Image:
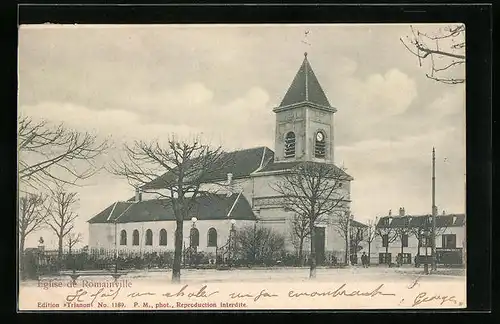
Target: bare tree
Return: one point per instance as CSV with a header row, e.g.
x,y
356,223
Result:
x,y
31,216
387,233
358,233
421,229
371,233
342,228
49,154
300,230
175,173
259,245
445,49
312,190
61,214
73,239
403,231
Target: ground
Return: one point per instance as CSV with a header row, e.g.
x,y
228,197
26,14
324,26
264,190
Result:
x,y
357,274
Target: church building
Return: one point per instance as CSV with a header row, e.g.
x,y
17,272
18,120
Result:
x,y
304,132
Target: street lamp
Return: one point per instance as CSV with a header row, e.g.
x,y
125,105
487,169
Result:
x,y
193,245
41,246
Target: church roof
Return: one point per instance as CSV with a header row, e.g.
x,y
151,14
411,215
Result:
x,y
355,223
207,207
240,163
413,221
285,166
305,87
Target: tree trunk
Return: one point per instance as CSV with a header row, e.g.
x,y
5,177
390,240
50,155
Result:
x,y
369,252
402,250
347,251
387,252
22,238
312,261
419,244
301,247
176,266
60,247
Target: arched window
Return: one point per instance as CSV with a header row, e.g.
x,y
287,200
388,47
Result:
x,y
163,237
212,237
149,237
123,237
135,237
320,145
194,237
290,145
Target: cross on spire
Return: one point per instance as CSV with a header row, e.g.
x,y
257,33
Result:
x,y
305,38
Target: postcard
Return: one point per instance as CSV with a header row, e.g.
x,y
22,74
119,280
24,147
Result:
x,y
241,167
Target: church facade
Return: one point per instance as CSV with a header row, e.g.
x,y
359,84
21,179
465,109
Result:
x,y
304,133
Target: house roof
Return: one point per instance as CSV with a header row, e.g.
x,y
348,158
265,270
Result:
x,y
450,220
305,87
207,207
355,223
240,163
285,166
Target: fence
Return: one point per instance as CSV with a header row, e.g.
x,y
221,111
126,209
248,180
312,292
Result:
x,y
40,262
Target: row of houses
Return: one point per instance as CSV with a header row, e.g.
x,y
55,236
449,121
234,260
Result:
x,y
407,236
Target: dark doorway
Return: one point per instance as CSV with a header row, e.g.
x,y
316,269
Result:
x,y
319,234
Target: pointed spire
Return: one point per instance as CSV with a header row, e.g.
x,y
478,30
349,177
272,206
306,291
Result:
x,y
305,87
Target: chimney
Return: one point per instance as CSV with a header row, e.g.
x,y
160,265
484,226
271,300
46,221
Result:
x,y
390,212
401,211
444,212
230,189
138,195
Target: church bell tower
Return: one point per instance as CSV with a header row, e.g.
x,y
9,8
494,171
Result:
x,y
304,121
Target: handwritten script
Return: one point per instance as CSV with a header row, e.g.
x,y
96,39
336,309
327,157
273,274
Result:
x,y
82,295
423,298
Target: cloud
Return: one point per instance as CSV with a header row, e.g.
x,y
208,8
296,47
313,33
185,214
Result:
x,y
393,173
451,102
381,95
121,124
185,111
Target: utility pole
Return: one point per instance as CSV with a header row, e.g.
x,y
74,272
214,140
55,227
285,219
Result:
x,y
434,210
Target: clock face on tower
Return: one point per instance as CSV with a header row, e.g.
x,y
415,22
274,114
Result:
x,y
319,137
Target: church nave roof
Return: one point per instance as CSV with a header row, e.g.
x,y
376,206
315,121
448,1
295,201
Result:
x,y
208,207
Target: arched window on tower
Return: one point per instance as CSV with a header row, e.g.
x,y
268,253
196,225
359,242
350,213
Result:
x,y
290,145
163,237
123,237
212,237
135,237
320,145
149,237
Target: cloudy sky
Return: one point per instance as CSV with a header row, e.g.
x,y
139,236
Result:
x,y
148,82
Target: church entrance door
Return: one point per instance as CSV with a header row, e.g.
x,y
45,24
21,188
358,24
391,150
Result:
x,y
319,234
